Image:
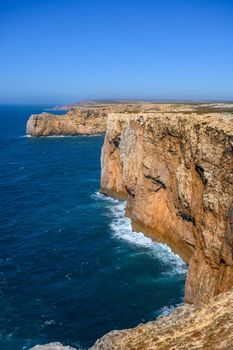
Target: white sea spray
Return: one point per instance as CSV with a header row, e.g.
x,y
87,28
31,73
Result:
x,y
121,229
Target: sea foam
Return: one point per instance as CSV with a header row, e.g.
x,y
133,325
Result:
x,y
121,229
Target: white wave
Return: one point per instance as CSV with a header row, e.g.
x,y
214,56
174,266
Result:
x,y
59,136
49,322
48,136
69,136
26,135
122,230
54,136
100,196
166,310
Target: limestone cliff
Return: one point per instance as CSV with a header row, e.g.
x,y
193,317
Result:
x,y
80,120
175,169
174,166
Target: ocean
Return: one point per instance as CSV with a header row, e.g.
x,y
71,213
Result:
x,y
71,269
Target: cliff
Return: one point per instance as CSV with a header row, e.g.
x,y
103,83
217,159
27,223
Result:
x,y
80,120
173,164
175,169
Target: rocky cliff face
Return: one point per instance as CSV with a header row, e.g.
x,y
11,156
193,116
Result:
x,y
175,169
174,166
80,120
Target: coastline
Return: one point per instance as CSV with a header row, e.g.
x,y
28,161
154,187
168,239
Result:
x,y
171,193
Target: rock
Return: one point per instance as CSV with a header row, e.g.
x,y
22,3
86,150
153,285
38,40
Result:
x,y
209,327
52,346
80,120
174,168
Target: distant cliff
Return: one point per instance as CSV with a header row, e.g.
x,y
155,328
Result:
x,y
80,120
175,169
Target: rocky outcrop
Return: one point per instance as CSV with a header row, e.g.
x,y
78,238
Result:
x,y
175,169
80,120
209,327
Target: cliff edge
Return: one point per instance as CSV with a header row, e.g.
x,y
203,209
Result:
x,y
80,120
175,169
173,164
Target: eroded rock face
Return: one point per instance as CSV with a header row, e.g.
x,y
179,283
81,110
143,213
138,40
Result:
x,y
80,120
174,166
209,327
176,171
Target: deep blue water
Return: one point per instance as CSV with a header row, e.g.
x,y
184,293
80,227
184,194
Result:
x,y
71,269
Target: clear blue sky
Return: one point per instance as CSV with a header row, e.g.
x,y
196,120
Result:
x,y
57,51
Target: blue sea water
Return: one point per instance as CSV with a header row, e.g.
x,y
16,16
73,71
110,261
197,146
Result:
x,y
71,269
